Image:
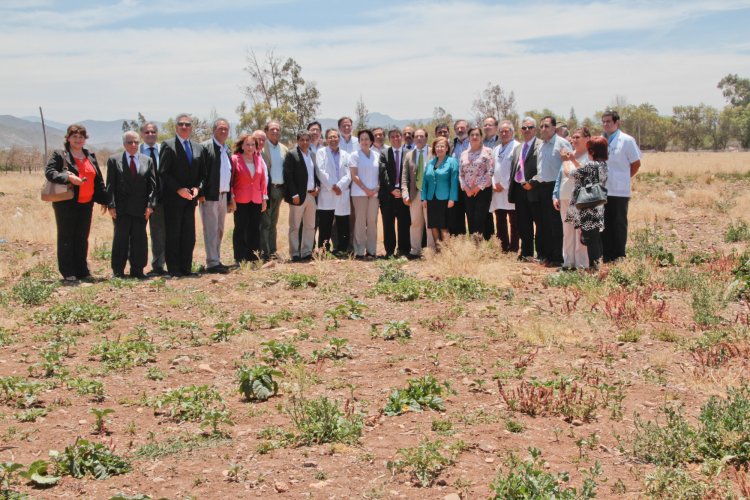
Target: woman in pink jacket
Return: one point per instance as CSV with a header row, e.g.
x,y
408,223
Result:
x,y
250,192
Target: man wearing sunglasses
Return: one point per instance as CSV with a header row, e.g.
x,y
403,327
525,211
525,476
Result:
x,y
522,188
150,148
182,177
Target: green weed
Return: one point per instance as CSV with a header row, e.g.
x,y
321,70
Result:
x,y
321,421
257,383
424,462
421,393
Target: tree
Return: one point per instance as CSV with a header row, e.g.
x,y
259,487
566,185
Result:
x,y
201,130
736,90
736,116
650,129
572,120
134,125
697,127
360,114
538,115
493,101
277,91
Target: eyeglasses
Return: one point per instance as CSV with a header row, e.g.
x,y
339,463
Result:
x,y
149,132
507,131
528,127
184,125
131,142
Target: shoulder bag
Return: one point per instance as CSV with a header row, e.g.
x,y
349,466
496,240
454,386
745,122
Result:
x,y
52,191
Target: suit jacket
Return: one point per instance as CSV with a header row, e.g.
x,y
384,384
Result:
x,y
388,173
409,173
266,153
176,173
530,172
54,172
212,161
130,196
295,175
440,183
144,149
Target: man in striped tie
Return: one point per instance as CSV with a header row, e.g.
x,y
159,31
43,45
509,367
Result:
x,y
150,148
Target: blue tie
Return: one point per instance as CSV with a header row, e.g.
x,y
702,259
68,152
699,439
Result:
x,y
188,152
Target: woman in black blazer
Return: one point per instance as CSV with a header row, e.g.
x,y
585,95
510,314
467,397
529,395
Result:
x,y
76,166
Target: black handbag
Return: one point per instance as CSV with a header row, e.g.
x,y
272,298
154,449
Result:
x,y
591,195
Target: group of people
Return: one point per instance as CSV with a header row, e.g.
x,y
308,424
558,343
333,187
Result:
x,y
483,181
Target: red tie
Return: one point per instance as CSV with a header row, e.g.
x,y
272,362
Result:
x,y
133,170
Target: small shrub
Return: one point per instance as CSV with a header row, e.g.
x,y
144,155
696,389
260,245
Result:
x,y
724,431
337,348
630,335
87,387
74,313
514,426
529,479
224,331
19,392
707,303
736,232
670,444
676,482
393,330
424,462
32,292
648,243
320,421
257,383
298,280
83,457
421,393
190,403
133,350
276,352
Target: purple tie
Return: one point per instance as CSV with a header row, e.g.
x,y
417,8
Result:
x,y
521,173
398,168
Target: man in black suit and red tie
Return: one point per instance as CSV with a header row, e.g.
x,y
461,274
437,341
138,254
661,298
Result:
x,y
523,188
131,186
182,179
393,210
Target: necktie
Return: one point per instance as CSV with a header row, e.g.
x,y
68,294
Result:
x,y
152,154
420,169
133,170
398,168
521,174
188,151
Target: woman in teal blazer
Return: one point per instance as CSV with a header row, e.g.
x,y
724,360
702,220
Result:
x,y
440,188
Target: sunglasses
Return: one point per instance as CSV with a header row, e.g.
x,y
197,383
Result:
x,y
184,125
149,132
528,127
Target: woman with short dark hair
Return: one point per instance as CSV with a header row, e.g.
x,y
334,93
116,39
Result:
x,y
590,220
476,167
77,166
249,187
574,252
364,165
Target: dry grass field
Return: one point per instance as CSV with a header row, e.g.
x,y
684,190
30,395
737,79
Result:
x,y
466,373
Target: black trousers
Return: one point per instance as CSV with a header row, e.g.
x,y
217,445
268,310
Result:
x,y
130,241
489,225
393,211
477,210
457,216
73,221
246,236
179,219
615,235
549,232
507,229
527,216
325,225
593,241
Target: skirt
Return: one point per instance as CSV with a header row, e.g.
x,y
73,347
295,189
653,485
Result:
x,y
437,214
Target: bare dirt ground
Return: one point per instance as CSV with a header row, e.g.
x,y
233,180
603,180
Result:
x,y
624,338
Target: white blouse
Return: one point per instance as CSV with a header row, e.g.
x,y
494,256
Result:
x,y
367,170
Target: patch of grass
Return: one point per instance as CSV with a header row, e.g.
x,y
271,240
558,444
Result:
x,y
31,291
707,301
276,352
275,319
74,313
87,387
725,427
337,348
630,335
676,482
299,280
665,335
393,330
321,420
443,427
6,337
19,392
180,444
529,479
669,444
82,458
133,350
514,426
421,393
682,278
648,243
190,403
424,462
737,231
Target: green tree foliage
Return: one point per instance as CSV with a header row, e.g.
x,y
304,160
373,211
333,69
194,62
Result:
x,y
277,91
698,127
736,116
493,101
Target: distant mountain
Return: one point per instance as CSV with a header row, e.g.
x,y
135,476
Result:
x,y
374,120
102,134
24,133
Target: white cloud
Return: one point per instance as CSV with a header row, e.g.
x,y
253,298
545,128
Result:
x,y
403,65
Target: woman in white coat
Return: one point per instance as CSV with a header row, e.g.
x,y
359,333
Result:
x,y
333,200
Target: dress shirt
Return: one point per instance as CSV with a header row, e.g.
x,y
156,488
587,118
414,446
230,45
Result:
x,y
310,170
225,174
351,146
368,170
146,150
623,151
135,158
277,167
549,160
491,142
459,146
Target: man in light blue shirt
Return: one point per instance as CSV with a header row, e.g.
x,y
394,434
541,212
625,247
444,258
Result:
x,y
549,162
274,153
457,220
150,148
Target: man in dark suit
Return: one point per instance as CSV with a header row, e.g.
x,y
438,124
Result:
x,y
523,188
300,189
182,174
150,148
392,206
216,198
131,186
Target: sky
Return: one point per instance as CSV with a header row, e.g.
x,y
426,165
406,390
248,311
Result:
x,y
111,59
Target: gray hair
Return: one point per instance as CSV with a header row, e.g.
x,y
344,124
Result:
x,y
183,115
129,133
510,124
147,124
217,121
529,119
